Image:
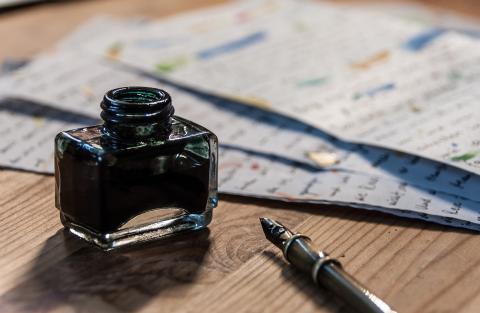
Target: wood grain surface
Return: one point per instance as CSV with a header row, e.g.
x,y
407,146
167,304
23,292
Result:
x,y
415,266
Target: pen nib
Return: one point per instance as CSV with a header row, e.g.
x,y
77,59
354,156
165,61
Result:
x,y
274,231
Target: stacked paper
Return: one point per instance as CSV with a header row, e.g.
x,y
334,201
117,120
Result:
x,y
311,102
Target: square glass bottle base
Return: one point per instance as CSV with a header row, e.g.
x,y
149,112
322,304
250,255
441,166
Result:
x,y
141,233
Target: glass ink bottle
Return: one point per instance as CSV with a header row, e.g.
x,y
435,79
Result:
x,y
143,174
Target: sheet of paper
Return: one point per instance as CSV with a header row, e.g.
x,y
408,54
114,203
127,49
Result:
x,y
423,102
370,79
250,39
70,103
247,174
236,125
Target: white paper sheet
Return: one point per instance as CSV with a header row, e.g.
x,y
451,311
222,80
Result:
x,y
360,176
370,79
30,128
76,83
30,146
245,174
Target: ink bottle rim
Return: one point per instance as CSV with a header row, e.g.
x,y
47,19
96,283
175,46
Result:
x,y
133,113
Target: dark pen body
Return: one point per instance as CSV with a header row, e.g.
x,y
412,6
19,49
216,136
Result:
x,y
325,271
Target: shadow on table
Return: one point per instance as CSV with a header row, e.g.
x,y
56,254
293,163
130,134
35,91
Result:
x,y
322,297
12,6
91,280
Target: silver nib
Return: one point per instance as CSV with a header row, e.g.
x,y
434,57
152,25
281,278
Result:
x,y
275,232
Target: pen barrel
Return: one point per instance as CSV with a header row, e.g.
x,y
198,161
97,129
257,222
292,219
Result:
x,y
328,273
334,278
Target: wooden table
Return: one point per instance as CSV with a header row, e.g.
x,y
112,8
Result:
x,y
415,266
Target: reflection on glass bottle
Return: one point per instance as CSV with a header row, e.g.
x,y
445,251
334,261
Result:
x,y
143,174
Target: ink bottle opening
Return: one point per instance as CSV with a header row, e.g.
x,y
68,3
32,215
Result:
x,y
136,113
143,174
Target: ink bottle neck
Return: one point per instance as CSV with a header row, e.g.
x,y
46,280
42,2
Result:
x,y
136,113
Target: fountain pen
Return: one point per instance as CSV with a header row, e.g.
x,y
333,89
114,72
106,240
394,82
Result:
x,y
325,271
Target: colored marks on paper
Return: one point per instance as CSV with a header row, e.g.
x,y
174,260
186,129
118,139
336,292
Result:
x,y
243,17
255,166
39,121
229,165
114,50
414,107
374,91
253,101
454,75
88,92
420,41
232,46
257,11
167,67
300,26
379,57
466,156
312,82
323,158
